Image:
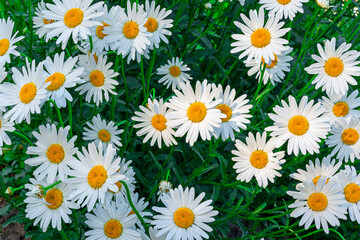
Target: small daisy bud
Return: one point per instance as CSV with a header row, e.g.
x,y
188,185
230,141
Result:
x,y
9,191
208,5
164,188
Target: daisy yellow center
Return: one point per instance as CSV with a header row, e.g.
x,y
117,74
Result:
x,y
27,93
97,78
317,202
175,71
184,217
131,213
104,135
334,66
47,21
73,17
55,153
225,109
57,80
259,159
196,112
350,136
273,62
113,228
94,55
340,109
352,193
4,46
54,198
298,125
0,124
158,122
100,29
151,24
316,179
131,30
97,176
260,38
284,2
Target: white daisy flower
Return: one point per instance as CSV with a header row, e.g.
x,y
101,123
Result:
x,y
258,40
337,106
99,79
111,221
275,72
256,158
26,95
62,75
236,111
54,152
325,4
71,17
286,8
183,216
320,203
345,139
164,188
127,34
194,112
302,126
93,175
3,74
5,126
152,122
157,24
99,130
174,73
335,68
53,208
7,41
40,21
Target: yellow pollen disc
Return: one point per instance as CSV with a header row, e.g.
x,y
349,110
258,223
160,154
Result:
x,y
184,217
97,78
260,38
175,71
131,30
298,125
0,124
97,176
100,29
352,193
334,66
55,153
113,228
4,46
27,92
47,21
273,62
317,202
284,2
73,17
225,109
104,135
316,179
54,197
350,136
340,109
118,184
131,213
158,122
57,80
196,112
259,159
151,24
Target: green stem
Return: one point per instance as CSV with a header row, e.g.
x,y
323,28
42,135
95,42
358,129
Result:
x,y
63,234
76,220
70,118
52,185
23,137
30,30
57,112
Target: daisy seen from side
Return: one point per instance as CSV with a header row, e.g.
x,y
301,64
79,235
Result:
x,y
7,41
40,21
5,126
283,8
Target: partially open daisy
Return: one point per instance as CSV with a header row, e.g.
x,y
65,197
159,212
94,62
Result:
x,y
54,152
321,203
259,41
174,73
335,68
152,122
275,71
257,158
5,126
111,221
62,75
337,106
99,79
302,126
99,130
93,175
40,21
325,4
54,207
236,111
71,18
286,8
345,134
3,74
183,216
164,188
7,41
140,205
194,112
26,95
